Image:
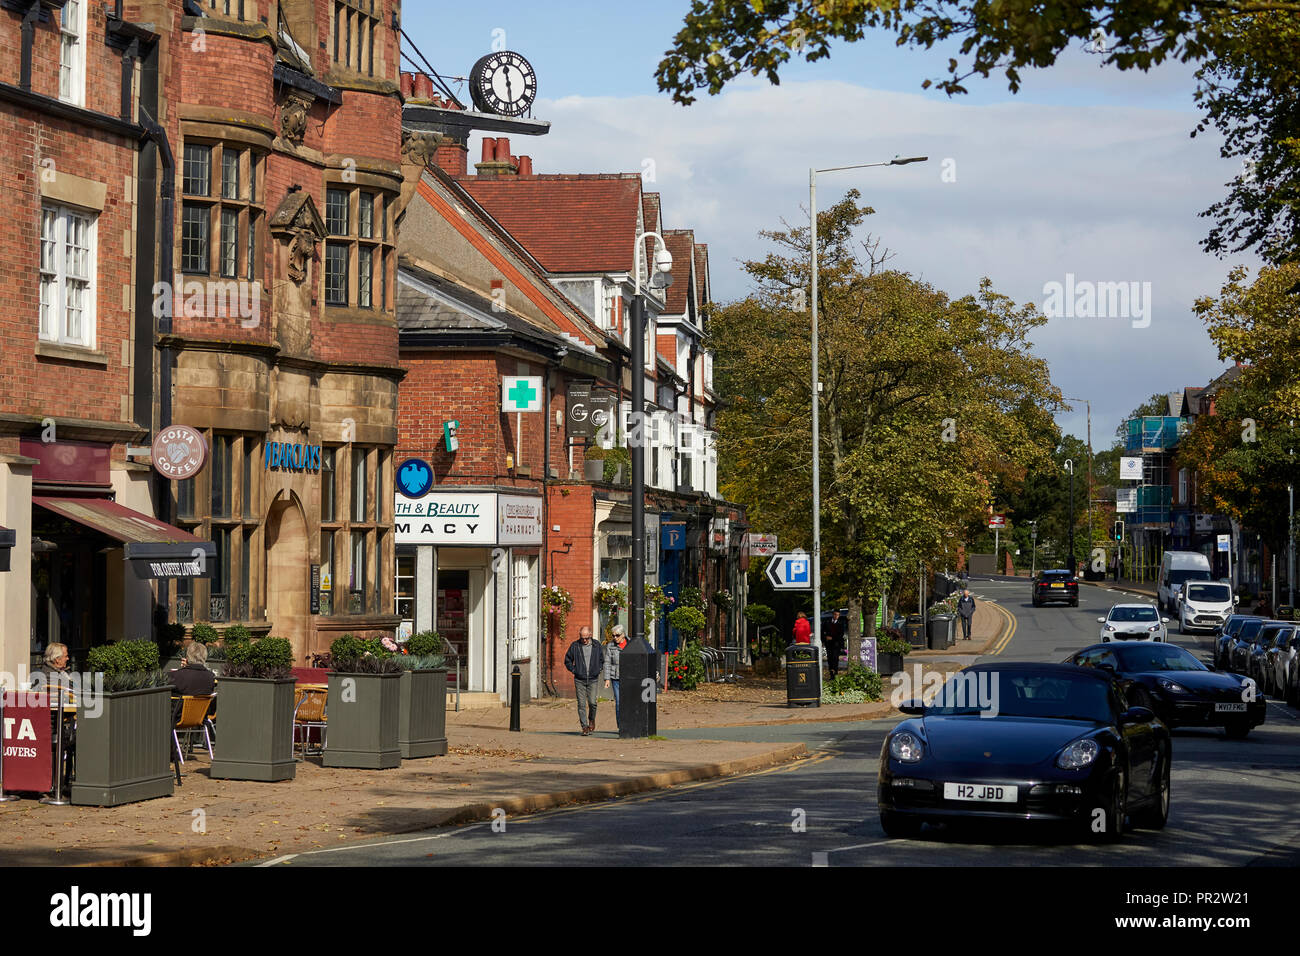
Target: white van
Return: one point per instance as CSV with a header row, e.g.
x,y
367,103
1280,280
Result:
x,y
1175,568
1204,605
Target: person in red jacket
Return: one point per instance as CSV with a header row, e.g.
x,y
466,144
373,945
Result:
x,y
802,629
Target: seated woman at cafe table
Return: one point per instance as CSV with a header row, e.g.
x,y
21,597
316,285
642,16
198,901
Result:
x,y
194,679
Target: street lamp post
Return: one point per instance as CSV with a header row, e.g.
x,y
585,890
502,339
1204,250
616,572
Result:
x,y
661,279
1069,466
1089,404
817,387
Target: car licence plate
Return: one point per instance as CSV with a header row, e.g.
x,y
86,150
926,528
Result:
x,y
1058,585
983,793
1231,708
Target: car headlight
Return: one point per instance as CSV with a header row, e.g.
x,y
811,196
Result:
x,y
1172,686
1153,628
906,747
1110,627
1081,753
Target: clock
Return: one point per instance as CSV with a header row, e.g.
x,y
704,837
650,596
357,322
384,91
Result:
x,y
503,83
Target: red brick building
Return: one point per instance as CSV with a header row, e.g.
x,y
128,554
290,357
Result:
x,y
202,205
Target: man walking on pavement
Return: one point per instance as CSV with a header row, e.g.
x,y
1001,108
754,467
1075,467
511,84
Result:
x,y
585,660
966,610
839,626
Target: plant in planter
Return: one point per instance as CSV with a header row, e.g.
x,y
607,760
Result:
x,y
617,463
655,599
422,709
610,599
693,597
557,602
685,666
593,468
364,703
855,685
891,648
256,738
124,734
724,599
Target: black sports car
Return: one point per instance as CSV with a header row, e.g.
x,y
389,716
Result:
x,y
1059,585
1181,690
1020,741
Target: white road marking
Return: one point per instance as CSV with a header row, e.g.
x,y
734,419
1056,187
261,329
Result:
x,y
371,846
278,859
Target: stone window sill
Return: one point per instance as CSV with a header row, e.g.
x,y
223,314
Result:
x,y
71,353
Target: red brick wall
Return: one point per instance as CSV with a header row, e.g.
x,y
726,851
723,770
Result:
x,y
573,508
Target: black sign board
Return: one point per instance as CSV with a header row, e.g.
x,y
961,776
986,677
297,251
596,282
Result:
x,y
315,589
589,409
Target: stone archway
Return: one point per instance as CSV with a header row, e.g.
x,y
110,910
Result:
x,y
287,574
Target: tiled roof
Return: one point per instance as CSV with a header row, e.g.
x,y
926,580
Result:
x,y
575,224
681,243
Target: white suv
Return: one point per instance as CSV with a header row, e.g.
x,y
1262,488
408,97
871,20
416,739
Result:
x,y
1133,622
1204,605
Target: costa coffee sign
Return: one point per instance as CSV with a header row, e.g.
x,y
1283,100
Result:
x,y
179,452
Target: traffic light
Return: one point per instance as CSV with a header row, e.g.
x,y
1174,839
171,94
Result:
x,y
1118,533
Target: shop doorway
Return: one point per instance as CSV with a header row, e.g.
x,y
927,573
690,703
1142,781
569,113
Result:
x,y
288,575
462,622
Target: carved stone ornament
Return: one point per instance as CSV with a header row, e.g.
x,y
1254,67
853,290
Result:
x,y
293,116
419,149
297,224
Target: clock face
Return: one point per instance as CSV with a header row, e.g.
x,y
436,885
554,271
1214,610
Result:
x,y
503,83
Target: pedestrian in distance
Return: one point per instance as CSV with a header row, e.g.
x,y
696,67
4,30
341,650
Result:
x,y
585,660
835,637
966,611
612,651
802,629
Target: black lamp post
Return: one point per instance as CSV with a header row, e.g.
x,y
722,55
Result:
x,y
1069,466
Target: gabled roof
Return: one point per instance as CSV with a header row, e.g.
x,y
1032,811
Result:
x,y
569,223
681,243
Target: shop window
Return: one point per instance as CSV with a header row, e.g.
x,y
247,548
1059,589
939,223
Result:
x,y
67,265
376,604
357,573
185,498
227,8
72,53
358,252
327,576
219,475
328,484
404,586
359,462
219,185
521,606
185,600
381,504
252,453
219,590
245,573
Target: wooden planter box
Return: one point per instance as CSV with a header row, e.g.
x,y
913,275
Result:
x,y
255,730
363,718
594,470
422,714
124,754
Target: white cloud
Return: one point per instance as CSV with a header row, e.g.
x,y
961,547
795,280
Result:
x,y
1108,193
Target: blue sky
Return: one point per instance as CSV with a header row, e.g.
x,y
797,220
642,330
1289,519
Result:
x,y
1087,172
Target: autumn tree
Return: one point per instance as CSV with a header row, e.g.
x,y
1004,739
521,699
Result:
x,y
927,401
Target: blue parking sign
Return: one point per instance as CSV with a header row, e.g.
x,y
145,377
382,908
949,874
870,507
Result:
x,y
796,570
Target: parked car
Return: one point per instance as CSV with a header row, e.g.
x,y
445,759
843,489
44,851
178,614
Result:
x,y
1133,622
1181,690
1204,605
1250,659
1237,651
1175,568
1226,633
1061,744
1277,661
1291,676
1056,585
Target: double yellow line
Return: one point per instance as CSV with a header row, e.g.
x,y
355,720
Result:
x,y
1001,645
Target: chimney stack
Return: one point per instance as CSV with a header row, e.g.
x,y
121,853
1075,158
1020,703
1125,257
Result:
x,y
497,160
525,165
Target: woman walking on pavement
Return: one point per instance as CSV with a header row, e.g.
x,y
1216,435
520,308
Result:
x,y
612,651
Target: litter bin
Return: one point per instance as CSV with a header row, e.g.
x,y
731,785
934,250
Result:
x,y
803,675
914,630
939,630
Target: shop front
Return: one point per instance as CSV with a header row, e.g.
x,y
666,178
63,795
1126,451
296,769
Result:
x,y
468,565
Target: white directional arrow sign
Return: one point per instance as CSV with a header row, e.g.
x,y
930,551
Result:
x,y
790,571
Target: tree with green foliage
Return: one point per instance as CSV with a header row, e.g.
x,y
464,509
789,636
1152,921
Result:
x,y
1247,83
927,401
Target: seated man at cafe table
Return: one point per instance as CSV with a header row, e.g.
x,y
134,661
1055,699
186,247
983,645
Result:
x,y
194,680
50,676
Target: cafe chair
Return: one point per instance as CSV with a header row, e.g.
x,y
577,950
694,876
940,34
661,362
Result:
x,y
308,712
194,711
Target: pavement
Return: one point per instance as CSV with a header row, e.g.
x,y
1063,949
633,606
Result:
x,y
488,768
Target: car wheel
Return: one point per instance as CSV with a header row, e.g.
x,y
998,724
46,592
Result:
x,y
1112,826
898,827
1237,729
1141,697
1156,815
1074,604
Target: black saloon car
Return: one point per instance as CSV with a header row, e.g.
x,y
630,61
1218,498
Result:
x,y
1181,690
1237,647
1020,741
1224,637
1053,586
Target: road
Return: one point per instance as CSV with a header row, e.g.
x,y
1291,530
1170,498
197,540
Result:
x,y
1232,801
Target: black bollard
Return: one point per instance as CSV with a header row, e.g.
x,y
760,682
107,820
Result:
x,y
514,698
638,668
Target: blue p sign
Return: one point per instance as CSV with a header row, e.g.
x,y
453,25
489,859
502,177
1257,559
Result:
x,y
796,570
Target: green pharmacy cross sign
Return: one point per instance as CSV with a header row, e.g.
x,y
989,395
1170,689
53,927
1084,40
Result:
x,y
521,393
